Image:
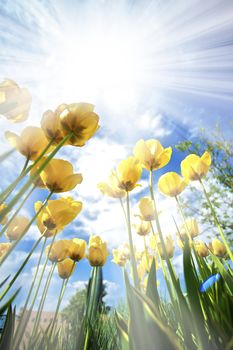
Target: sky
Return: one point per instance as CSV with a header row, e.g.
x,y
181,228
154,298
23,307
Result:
x,y
153,69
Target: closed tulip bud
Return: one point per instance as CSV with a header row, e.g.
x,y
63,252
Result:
x,y
17,227
201,248
77,249
128,173
59,251
4,219
51,125
170,247
218,248
58,176
190,228
146,261
141,271
146,209
15,102
57,214
194,167
80,119
141,227
111,187
31,143
4,247
153,241
97,251
65,268
151,154
118,258
171,184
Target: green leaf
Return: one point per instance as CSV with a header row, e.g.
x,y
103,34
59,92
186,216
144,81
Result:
x,y
8,331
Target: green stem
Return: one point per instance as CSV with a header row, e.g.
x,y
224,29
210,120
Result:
x,y
125,216
26,229
62,291
19,328
132,255
33,177
146,251
20,269
216,221
17,210
42,301
6,154
23,173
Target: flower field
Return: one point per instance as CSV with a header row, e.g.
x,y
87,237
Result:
x,y
196,312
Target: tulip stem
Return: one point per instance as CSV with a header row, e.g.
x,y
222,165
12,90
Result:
x,y
216,220
20,269
26,228
23,173
133,260
146,251
169,265
17,210
21,324
33,177
7,154
61,295
183,217
42,301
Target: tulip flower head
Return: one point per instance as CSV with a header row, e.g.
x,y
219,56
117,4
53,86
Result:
x,y
4,219
151,154
218,248
146,261
170,247
57,214
77,249
146,209
121,255
59,251
171,184
141,227
17,227
78,119
194,167
201,249
15,102
128,173
58,176
65,268
31,143
153,241
111,187
97,251
4,247
189,228
51,125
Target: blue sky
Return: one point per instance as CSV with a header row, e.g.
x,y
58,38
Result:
x,y
153,70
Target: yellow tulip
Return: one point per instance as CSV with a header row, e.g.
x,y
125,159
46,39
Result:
x,y
180,242
141,271
15,102
194,167
77,249
111,187
128,173
38,180
151,154
191,226
56,214
51,125
4,247
218,248
146,261
4,219
60,250
153,241
121,255
30,143
171,184
144,283
141,227
65,268
146,209
79,119
201,248
58,176
16,227
138,254
97,251
170,247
